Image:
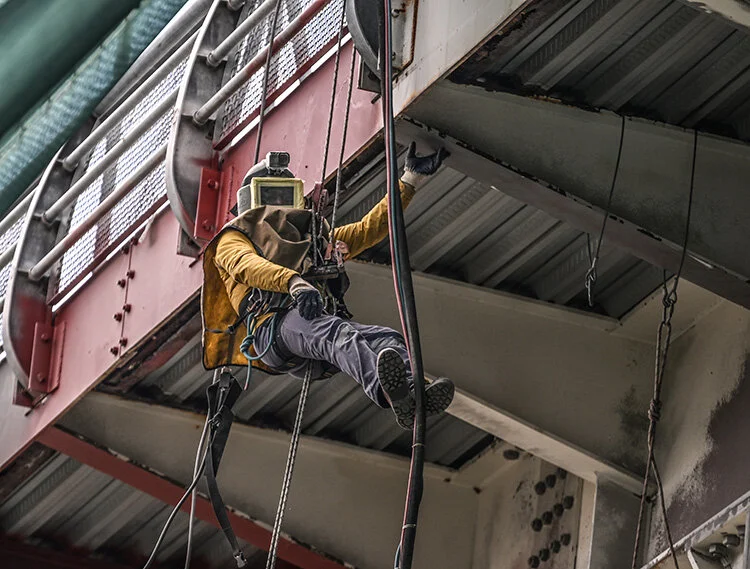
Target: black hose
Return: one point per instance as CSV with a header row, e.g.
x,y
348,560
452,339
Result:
x,y
404,294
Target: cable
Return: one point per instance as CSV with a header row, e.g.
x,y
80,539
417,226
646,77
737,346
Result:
x,y
591,273
264,86
343,144
289,469
194,493
404,295
176,509
317,208
663,337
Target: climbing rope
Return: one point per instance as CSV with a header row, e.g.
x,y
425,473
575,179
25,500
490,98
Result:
x,y
591,273
663,337
317,208
343,146
404,297
289,469
264,86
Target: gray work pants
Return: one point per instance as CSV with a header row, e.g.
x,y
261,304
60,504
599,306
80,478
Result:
x,y
330,344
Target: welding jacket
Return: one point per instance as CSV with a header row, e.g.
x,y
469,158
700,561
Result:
x,y
261,250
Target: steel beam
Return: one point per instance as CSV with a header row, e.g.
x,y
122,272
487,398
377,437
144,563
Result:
x,y
734,11
337,490
19,555
170,493
561,159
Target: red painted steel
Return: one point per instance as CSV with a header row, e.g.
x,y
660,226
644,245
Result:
x,y
208,200
161,489
163,281
18,555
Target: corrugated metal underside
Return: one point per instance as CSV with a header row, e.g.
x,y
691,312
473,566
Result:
x,y
659,59
69,504
336,409
462,229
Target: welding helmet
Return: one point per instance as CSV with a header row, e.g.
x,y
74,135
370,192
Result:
x,y
270,183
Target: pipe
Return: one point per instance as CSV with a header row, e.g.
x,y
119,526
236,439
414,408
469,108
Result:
x,y
212,105
117,150
146,167
223,49
17,212
174,35
7,255
71,160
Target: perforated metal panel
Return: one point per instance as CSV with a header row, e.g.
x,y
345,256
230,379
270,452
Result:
x,y
138,205
301,50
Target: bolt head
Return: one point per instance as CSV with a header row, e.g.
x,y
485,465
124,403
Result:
x,y
123,342
114,350
540,488
130,274
534,561
550,481
127,307
511,454
731,540
536,524
121,283
547,518
568,502
555,546
558,510
565,539
544,554
117,316
213,185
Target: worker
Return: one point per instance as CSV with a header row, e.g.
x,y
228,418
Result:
x,y
265,265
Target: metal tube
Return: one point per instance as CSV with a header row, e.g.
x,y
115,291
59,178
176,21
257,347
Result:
x,y
71,160
17,212
2,303
223,49
212,105
117,150
7,255
146,167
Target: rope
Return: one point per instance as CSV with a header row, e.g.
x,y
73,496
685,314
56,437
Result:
x,y
343,145
591,273
663,337
318,233
289,469
404,297
264,87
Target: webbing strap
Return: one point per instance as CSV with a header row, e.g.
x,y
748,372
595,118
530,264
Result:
x,y
222,395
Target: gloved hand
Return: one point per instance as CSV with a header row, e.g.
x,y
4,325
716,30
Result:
x,y
309,301
417,168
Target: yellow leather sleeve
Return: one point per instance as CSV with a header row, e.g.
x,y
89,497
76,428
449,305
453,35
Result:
x,y
236,255
373,227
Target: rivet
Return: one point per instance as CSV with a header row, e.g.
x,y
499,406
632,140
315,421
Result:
x,y
540,488
123,342
544,554
127,307
121,283
558,509
550,481
547,518
213,185
555,546
117,316
562,474
130,274
536,524
565,539
568,502
44,337
511,454
533,561
114,350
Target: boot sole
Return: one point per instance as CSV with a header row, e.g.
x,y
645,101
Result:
x,y
393,380
438,396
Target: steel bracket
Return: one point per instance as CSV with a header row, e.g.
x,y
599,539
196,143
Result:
x,y
208,204
46,357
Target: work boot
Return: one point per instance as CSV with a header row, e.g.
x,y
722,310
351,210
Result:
x,y
438,396
393,378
